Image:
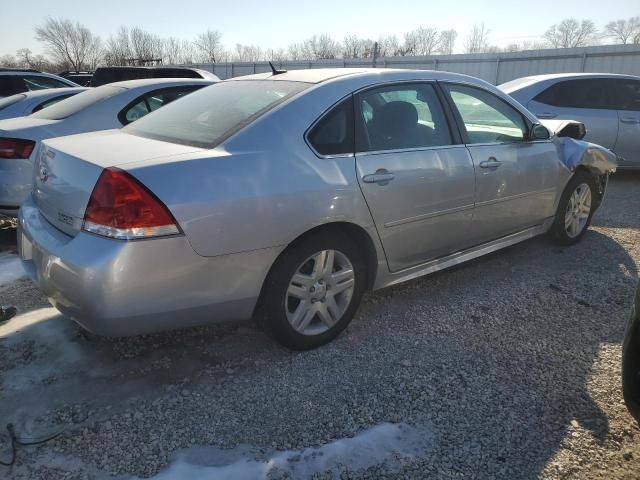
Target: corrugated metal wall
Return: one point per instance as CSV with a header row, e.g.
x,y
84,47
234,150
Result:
x,y
494,68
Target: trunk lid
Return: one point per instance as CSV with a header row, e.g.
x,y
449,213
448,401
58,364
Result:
x,y
67,169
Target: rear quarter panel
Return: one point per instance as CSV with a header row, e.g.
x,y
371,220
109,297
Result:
x,y
263,187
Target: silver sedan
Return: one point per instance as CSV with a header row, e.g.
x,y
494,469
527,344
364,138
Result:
x,y
285,196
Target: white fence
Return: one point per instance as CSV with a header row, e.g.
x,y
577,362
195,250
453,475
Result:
x,y
494,68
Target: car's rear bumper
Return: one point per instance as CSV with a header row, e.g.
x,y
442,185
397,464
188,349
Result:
x,y
114,287
631,361
15,184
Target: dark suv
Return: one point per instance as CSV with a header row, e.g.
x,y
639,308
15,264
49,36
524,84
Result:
x,y
104,75
14,80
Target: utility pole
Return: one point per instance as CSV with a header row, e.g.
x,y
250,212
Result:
x,y
375,54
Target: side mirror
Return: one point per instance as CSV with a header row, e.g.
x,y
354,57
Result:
x,y
539,132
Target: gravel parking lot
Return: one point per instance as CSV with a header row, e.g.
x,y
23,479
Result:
x,y
505,367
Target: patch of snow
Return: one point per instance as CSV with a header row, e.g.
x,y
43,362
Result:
x,y
10,268
388,443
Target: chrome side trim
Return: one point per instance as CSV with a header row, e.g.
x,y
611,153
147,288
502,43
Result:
x,y
425,216
493,201
416,149
460,257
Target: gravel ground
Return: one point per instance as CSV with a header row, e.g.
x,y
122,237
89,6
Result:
x,y
505,367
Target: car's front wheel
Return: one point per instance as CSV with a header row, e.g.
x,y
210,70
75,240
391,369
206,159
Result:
x,y
575,209
313,290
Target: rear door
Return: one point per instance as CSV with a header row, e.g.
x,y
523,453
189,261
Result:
x,y
516,179
627,97
586,100
416,178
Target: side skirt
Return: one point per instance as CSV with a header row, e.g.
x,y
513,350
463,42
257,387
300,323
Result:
x,y
387,279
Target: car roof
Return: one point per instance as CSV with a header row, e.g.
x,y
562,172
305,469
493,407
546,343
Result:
x,y
555,76
319,75
145,82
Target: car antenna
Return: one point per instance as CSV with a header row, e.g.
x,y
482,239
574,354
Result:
x,y
275,71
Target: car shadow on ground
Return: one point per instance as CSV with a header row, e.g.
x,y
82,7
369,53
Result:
x,y
8,242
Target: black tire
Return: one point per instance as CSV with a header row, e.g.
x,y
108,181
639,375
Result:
x,y
274,292
558,230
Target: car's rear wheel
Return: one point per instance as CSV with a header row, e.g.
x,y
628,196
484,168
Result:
x,y
313,290
575,209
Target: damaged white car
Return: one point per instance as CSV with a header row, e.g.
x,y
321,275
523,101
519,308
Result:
x,y
286,195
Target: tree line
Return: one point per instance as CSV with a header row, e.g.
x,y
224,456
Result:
x,y
72,46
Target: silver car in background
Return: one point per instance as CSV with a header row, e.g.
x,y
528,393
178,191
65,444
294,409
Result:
x,y
101,108
608,105
22,104
285,196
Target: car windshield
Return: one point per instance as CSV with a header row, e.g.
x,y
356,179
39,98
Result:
x,y
72,105
7,102
207,117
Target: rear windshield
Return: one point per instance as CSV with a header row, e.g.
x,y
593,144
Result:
x,y
7,102
209,116
78,102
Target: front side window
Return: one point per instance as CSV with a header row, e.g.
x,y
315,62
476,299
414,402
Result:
x,y
34,82
209,116
486,117
581,93
402,116
78,102
626,94
152,101
333,134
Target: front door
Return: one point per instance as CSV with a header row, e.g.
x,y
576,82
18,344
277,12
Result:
x,y
419,185
627,95
516,179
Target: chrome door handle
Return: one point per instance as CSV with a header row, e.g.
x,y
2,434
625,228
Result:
x,y
546,115
630,120
381,177
490,163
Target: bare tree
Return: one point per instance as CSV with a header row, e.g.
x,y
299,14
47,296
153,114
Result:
x,y
209,45
295,51
247,53
447,41
8,61
320,47
624,31
388,46
478,39
118,48
145,47
279,55
421,41
69,43
571,33
355,47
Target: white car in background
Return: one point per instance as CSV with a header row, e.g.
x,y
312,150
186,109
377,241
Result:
x,y
608,104
101,108
22,104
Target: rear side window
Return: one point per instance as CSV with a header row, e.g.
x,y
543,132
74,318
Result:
x,y
34,82
151,101
78,102
333,134
626,94
404,116
13,99
209,116
51,101
581,93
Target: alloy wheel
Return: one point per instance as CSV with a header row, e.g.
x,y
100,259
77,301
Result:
x,y
578,210
319,292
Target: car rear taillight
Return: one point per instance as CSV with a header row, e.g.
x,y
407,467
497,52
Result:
x,y
16,148
122,207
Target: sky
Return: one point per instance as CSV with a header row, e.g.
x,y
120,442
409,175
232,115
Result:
x,y
277,23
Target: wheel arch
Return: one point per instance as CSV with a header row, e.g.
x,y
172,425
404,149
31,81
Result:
x,y
355,232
